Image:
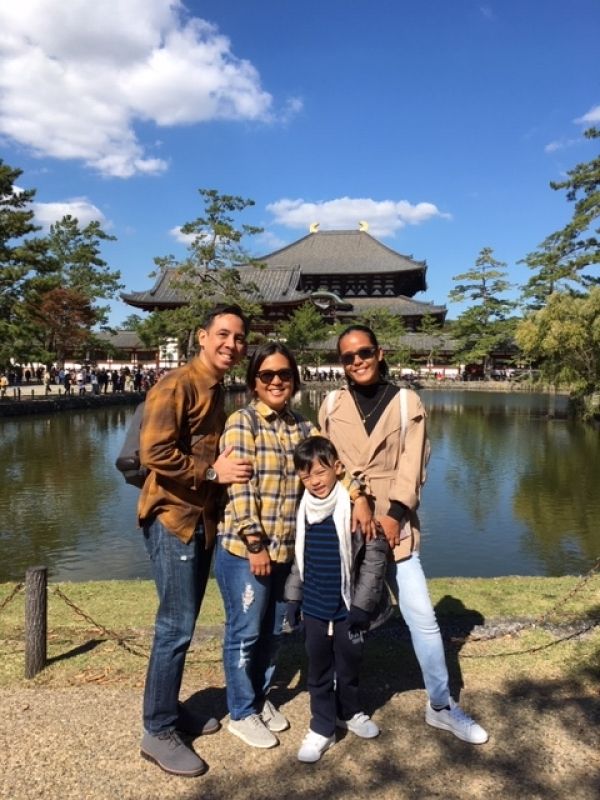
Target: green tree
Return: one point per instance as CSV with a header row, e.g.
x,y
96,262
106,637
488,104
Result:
x,y
20,253
390,329
73,263
562,257
306,326
208,274
484,326
431,329
563,339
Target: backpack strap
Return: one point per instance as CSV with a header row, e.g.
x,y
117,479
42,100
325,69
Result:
x,y
403,416
329,404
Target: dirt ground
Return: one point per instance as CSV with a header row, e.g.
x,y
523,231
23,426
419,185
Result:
x,y
82,742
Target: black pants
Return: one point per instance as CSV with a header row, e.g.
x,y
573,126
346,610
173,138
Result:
x,y
333,672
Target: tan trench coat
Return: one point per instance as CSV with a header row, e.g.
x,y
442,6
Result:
x,y
389,470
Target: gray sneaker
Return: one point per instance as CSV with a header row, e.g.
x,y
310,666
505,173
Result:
x,y
171,754
273,718
253,731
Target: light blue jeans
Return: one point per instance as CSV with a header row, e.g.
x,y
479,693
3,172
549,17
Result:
x,y
254,612
407,581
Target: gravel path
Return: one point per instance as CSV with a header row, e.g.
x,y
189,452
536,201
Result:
x,y
83,742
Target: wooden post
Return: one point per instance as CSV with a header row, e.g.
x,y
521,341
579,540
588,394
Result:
x,y
36,608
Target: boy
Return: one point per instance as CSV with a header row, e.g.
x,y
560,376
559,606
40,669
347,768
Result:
x,y
337,581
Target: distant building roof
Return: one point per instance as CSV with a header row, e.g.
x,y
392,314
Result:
x,y
122,339
404,306
265,285
345,252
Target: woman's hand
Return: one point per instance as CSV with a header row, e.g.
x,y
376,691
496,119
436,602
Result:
x,y
391,529
260,563
362,517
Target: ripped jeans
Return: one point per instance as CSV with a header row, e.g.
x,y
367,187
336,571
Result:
x,y
254,612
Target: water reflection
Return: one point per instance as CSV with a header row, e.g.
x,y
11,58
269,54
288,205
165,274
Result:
x,y
510,490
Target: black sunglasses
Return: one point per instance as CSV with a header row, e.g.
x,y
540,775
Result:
x,y
364,353
268,375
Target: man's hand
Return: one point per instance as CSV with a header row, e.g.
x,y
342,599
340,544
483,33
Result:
x,y
391,530
260,563
362,517
232,470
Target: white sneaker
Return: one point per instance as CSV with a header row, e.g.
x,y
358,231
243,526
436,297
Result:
x,y
253,731
313,746
361,725
455,720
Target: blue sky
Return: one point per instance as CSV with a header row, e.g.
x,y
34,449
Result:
x,y
440,123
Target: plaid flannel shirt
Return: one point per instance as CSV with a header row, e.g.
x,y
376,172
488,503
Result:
x,y
266,505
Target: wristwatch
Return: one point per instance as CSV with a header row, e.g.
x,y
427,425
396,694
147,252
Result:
x,y
255,547
211,474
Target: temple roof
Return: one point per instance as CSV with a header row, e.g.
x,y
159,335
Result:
x,y
405,306
342,252
267,285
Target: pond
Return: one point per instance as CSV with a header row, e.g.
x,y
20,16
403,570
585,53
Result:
x,y
512,489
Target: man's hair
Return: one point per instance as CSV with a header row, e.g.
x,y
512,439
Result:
x,y
314,447
262,352
220,310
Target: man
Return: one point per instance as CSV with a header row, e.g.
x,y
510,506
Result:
x,y
183,420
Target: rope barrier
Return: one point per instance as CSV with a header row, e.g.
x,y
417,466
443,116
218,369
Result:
x,y
11,596
106,631
539,621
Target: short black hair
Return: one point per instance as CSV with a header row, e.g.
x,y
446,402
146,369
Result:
x,y
314,447
262,352
220,310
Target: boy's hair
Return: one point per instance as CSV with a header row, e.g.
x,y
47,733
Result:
x,y
314,447
221,309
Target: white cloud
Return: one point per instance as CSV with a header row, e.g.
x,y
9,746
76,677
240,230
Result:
x,y
591,117
75,78
267,242
487,12
182,238
385,217
79,207
560,144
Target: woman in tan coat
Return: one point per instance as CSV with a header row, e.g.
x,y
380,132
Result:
x,y
380,434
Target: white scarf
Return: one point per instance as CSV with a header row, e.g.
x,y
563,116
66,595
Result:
x,y
314,509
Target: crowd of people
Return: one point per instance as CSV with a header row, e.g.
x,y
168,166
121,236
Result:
x,y
309,526
80,380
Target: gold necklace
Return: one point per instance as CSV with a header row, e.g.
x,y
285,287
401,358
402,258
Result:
x,y
365,417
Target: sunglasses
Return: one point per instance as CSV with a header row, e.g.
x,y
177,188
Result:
x,y
364,353
268,375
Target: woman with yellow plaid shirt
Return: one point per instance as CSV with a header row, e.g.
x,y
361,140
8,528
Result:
x,y
255,541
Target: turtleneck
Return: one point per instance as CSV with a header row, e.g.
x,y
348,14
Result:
x,y
371,401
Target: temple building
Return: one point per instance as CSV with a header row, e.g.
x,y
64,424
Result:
x,y
345,274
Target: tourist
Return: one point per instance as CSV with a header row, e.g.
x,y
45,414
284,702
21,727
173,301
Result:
x,y
255,542
183,420
336,581
364,420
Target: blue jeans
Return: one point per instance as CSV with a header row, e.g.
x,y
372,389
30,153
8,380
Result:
x,y
180,572
407,582
254,612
